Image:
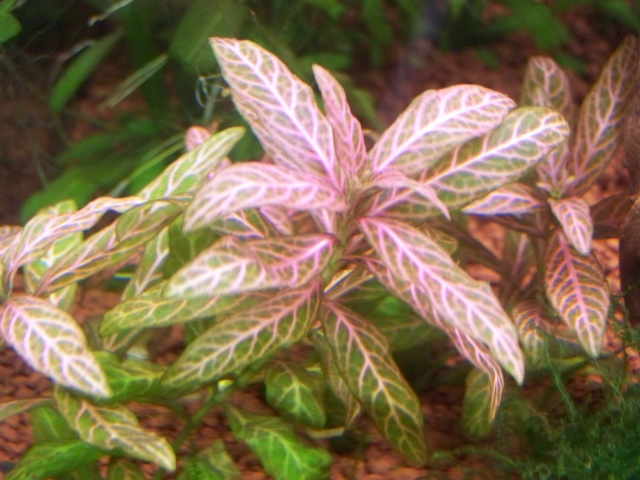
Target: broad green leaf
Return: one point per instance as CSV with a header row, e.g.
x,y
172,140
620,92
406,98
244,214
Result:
x,y
130,379
461,302
600,120
79,70
575,218
531,322
233,266
51,342
295,393
13,407
476,406
282,454
152,310
577,289
434,123
347,132
44,229
114,428
512,199
48,460
483,164
48,424
363,359
255,184
9,26
185,174
214,462
246,337
121,469
280,108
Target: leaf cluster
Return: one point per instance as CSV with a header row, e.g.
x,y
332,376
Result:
x,y
262,258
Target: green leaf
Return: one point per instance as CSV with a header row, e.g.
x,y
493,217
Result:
x,y
120,469
600,120
575,219
363,359
234,266
131,379
442,287
185,174
295,393
149,270
246,337
578,290
483,164
184,247
204,19
280,108
476,406
79,70
532,324
546,85
48,425
51,342
282,454
434,123
114,428
212,463
47,460
14,407
9,26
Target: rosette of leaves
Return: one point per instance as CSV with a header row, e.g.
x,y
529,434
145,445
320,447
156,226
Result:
x,y
552,225
253,258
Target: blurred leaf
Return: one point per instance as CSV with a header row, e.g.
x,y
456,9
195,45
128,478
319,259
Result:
x,y
46,460
204,19
295,393
79,70
121,469
14,407
130,379
282,454
9,26
333,7
476,406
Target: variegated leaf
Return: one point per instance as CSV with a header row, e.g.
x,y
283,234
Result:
x,y
577,289
434,123
396,181
336,382
575,218
255,184
402,204
45,228
347,133
246,337
512,199
246,224
600,119
110,246
280,108
233,266
544,75
51,341
282,454
195,136
114,427
362,356
460,301
477,406
149,270
296,393
481,165
9,234
185,174
152,310
532,324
